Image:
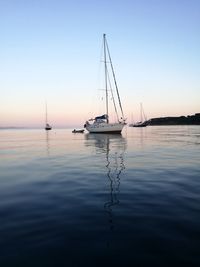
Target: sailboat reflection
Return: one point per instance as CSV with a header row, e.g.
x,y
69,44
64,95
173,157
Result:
x,y
47,142
113,147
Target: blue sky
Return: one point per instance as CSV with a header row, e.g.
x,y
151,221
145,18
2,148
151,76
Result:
x,y
50,50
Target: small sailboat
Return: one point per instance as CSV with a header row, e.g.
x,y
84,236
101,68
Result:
x,y
102,124
143,120
47,126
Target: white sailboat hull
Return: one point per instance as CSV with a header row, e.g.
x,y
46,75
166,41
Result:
x,y
105,127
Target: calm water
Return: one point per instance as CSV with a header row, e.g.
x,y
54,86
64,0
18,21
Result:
x,y
100,200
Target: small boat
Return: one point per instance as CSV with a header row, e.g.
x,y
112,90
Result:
x,y
47,126
143,121
78,131
102,124
140,124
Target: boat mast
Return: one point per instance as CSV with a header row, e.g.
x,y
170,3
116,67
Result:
x,y
143,114
141,117
46,112
106,80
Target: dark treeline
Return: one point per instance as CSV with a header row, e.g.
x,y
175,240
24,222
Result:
x,y
182,120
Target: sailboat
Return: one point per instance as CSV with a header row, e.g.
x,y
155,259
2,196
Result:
x,y
143,120
47,126
102,124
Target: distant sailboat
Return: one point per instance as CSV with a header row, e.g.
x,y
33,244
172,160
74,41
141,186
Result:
x,y
143,120
101,124
47,126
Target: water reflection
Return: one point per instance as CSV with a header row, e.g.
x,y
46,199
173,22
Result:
x,y
113,147
106,143
142,135
47,142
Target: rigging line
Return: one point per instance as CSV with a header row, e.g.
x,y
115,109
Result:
x,y
100,69
113,97
114,79
144,114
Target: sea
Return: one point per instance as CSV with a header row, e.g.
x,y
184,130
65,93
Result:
x,y
100,199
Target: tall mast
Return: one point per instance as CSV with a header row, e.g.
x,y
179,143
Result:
x,y
106,82
141,119
46,112
143,114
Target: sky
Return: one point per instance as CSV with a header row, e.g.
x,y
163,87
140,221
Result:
x,y
50,50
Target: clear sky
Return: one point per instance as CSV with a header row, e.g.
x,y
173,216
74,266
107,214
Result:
x,y
50,51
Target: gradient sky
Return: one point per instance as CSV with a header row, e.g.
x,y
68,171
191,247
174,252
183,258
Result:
x,y
50,51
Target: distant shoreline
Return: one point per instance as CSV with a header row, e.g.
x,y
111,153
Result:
x,y
181,120
30,128
161,121
12,127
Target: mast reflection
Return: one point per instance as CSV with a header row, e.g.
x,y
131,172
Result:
x,y
113,147
47,142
